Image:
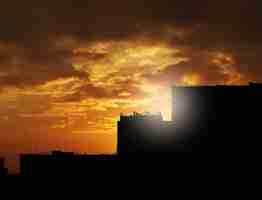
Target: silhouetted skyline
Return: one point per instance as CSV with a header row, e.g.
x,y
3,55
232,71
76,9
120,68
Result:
x,y
219,120
68,68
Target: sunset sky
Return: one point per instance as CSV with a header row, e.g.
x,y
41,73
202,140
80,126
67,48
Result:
x,y
69,68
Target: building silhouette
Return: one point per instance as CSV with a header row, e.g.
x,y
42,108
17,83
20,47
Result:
x,y
3,170
59,163
144,133
217,121
217,118
204,119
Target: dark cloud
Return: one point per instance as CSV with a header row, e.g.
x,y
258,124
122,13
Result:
x,y
99,18
23,67
33,26
28,75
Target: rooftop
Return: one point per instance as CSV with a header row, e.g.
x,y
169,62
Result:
x,y
141,116
251,84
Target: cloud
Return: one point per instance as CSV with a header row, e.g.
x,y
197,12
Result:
x,y
98,58
22,67
48,37
202,67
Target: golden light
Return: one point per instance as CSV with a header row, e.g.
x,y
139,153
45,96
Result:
x,y
159,100
162,103
191,79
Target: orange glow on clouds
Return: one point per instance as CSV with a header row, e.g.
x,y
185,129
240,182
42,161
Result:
x,y
80,113
191,79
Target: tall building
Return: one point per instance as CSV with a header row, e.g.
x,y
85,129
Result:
x,y
204,119
217,118
212,120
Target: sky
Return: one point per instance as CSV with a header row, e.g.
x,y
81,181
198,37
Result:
x,y
69,68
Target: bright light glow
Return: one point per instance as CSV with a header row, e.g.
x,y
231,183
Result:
x,y
191,79
159,101
162,103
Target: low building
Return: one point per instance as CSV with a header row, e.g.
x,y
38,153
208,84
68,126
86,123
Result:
x,y
144,133
59,163
3,170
